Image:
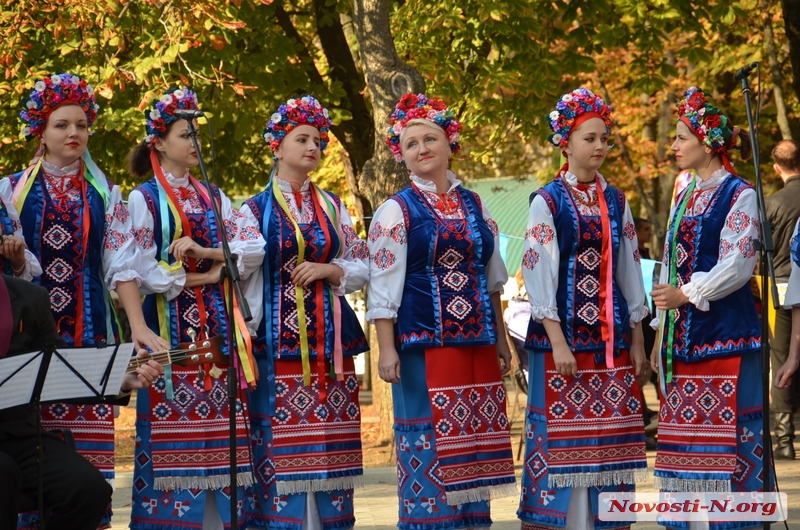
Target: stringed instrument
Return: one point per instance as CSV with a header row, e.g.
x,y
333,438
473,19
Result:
x,y
187,354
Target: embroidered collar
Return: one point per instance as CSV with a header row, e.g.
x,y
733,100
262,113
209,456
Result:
x,y
713,181
287,187
572,180
428,185
176,182
67,171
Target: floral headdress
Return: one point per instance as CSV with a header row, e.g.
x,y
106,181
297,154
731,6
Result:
x,y
50,93
707,122
305,110
419,107
162,112
573,109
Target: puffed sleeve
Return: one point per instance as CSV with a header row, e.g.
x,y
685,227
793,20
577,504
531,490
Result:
x,y
540,259
122,259
793,289
388,251
355,259
32,267
253,286
629,270
157,276
737,255
244,238
496,272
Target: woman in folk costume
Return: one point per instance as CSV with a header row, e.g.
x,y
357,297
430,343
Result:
x,y
434,295
15,258
709,429
306,419
182,469
75,223
585,347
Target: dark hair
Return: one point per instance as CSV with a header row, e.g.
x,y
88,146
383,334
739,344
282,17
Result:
x,y
138,160
786,154
745,145
638,222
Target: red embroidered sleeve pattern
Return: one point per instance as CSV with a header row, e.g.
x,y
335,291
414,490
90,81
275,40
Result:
x,y
383,259
541,233
738,221
530,259
144,237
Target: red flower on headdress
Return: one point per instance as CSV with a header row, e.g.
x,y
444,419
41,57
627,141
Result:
x,y
409,101
696,100
713,121
437,104
293,115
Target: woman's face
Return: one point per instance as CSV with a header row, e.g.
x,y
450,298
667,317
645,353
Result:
x,y
65,135
299,151
588,146
426,150
690,153
176,149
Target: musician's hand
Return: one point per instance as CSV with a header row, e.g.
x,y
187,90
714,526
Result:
x,y
144,337
144,375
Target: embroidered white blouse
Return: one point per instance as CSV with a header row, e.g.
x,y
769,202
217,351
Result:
x,y
541,255
244,237
353,260
32,268
793,288
737,253
386,283
120,254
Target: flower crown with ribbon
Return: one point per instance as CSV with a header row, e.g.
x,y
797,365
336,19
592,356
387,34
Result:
x,y
51,92
573,109
419,107
162,112
707,122
305,110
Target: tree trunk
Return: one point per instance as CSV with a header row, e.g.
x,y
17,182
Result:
x,y
791,18
775,73
388,79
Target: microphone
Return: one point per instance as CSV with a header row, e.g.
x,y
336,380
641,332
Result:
x,y
744,72
192,114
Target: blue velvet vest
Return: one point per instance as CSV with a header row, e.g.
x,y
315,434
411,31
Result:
x,y
445,300
579,282
6,229
731,325
280,308
61,225
184,309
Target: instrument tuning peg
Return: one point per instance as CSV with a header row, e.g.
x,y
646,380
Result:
x,y
192,333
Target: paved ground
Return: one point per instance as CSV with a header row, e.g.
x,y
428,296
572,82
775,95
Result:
x,y
376,503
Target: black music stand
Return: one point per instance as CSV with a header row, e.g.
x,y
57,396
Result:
x,y
55,375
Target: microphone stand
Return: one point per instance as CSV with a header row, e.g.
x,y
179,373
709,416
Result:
x,y
231,272
767,274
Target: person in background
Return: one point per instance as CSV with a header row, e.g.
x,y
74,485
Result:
x,y
75,494
708,348
783,211
183,421
582,272
436,276
15,258
311,462
76,225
